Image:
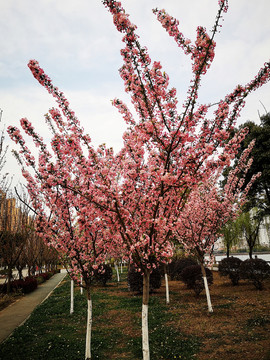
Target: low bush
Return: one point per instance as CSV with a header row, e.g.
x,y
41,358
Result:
x,y
192,277
177,265
102,274
25,286
255,270
135,280
40,279
230,267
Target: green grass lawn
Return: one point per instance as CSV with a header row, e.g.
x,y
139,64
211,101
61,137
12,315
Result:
x,y
52,333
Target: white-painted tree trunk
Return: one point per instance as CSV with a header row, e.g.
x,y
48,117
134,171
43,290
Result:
x,y
145,302
81,286
71,296
88,330
145,339
117,272
210,309
167,288
121,267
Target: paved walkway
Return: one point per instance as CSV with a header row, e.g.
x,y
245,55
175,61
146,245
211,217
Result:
x,y
15,314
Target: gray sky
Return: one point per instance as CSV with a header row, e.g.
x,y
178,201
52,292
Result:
x,y
78,46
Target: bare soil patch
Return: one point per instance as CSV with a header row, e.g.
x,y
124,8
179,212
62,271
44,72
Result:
x,y
239,327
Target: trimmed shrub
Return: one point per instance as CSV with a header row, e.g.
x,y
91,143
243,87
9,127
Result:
x,y
177,265
192,277
25,286
255,270
135,280
103,274
40,279
230,267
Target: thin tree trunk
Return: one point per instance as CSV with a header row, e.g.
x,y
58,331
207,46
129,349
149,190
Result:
x,y
228,250
71,296
9,279
81,286
88,326
210,309
166,284
145,302
117,272
250,251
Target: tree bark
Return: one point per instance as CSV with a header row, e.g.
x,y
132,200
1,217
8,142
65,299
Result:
x,y
209,304
145,302
81,286
9,275
166,285
71,296
228,250
117,272
88,326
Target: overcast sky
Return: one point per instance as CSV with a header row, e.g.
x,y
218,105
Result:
x,y
78,47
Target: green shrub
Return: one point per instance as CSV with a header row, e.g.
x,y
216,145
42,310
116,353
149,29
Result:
x,y
192,277
102,274
26,286
40,279
230,267
255,270
135,280
177,265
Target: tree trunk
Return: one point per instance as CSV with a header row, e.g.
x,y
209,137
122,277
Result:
x,y
145,302
117,272
250,251
9,277
81,286
71,296
210,309
166,285
88,326
228,250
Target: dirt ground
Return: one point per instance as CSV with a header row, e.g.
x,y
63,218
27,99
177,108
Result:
x,y
238,328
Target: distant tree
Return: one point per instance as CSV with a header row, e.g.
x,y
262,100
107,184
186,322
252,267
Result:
x,y
13,234
3,152
230,233
250,223
259,194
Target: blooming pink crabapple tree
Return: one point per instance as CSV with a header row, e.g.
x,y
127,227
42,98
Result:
x,y
62,220
208,209
138,195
